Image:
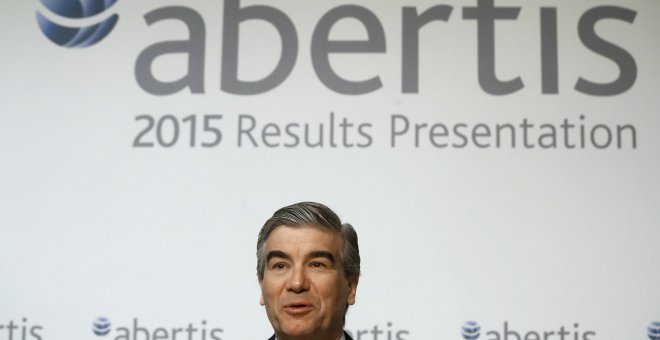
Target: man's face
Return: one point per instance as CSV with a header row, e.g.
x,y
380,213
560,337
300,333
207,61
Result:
x,y
304,287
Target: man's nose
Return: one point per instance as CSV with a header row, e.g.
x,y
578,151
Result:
x,y
298,281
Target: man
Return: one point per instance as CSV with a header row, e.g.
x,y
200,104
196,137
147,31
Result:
x,y
308,265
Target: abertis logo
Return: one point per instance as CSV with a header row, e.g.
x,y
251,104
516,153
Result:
x,y
101,326
654,330
140,331
81,35
471,330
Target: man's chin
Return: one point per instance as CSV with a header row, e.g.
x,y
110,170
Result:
x,y
298,329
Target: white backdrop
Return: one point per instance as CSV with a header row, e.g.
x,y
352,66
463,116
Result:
x,y
528,238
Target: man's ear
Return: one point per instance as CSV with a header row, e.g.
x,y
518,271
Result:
x,y
352,289
261,296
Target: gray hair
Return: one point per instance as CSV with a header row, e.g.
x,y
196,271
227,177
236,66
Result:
x,y
315,215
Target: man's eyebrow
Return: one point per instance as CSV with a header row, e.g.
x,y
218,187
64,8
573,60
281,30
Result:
x,y
277,253
322,253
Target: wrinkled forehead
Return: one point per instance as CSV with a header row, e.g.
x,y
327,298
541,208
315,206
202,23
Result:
x,y
304,239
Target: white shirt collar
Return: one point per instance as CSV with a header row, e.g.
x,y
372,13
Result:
x,y
342,337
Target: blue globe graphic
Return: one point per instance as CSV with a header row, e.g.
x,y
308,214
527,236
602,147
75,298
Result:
x,y
101,326
654,330
81,36
471,330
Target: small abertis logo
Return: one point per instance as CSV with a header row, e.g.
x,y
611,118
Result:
x,y
140,331
83,34
101,326
654,330
471,330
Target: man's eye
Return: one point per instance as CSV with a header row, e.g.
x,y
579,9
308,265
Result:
x,y
317,265
279,266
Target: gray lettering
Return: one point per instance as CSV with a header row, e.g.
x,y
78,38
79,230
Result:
x,y
233,16
247,131
418,128
137,329
532,336
160,333
319,143
194,47
566,127
270,130
633,132
344,129
508,332
486,13
525,126
124,336
551,135
412,22
433,134
33,332
376,331
623,59
549,54
322,47
175,331
190,330
477,134
216,330
289,132
608,138
586,335
364,134
498,130
460,135
547,335
394,131
496,335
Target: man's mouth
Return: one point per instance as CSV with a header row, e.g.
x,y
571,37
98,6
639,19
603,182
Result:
x,y
298,308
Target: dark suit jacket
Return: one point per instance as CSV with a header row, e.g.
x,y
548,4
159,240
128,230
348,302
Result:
x,y
348,337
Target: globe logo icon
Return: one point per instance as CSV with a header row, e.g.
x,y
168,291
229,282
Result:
x,y
83,34
654,330
471,330
101,326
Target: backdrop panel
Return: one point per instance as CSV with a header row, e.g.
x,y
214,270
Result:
x,y
499,160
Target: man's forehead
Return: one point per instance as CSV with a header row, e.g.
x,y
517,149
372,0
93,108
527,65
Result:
x,y
308,237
